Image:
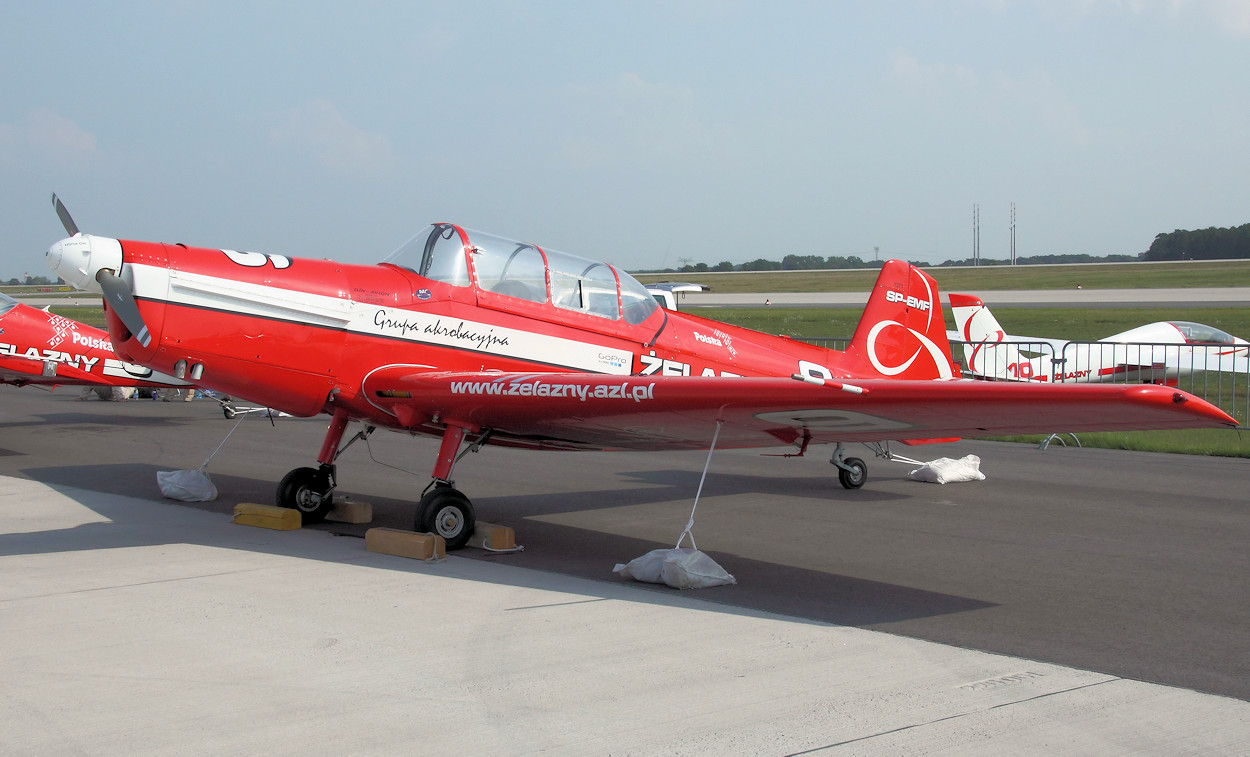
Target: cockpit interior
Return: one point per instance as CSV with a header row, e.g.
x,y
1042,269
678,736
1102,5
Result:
x,y
463,257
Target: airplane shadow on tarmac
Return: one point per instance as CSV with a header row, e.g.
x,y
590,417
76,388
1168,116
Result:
x,y
71,420
763,586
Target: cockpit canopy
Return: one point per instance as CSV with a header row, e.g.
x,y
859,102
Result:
x,y
7,303
1200,333
462,257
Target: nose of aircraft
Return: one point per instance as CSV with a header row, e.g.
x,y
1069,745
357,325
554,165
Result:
x,y
79,258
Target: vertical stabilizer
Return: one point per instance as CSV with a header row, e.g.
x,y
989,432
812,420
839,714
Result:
x,y
986,354
902,333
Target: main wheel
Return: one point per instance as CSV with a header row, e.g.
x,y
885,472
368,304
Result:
x,y
446,512
856,476
307,490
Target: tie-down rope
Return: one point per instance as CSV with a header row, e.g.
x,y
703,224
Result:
x,y
690,523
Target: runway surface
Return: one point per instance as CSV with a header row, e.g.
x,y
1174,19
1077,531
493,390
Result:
x,y
1130,563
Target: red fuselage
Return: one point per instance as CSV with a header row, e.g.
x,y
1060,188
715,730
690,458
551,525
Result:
x,y
302,335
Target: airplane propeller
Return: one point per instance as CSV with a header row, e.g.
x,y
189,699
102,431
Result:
x,y
119,297
67,221
116,290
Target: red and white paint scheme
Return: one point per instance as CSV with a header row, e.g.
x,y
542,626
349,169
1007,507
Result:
x,y
42,349
1156,353
485,340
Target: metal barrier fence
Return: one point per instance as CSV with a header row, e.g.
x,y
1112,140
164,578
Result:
x,y
1218,373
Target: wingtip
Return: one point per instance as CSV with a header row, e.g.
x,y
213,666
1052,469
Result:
x,y
1205,408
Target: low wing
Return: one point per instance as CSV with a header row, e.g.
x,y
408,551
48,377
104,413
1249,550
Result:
x,y
1203,360
1136,362
680,412
21,370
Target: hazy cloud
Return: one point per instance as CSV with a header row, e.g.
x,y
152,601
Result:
x,y
320,130
1231,16
1037,96
627,120
906,70
46,135
1021,99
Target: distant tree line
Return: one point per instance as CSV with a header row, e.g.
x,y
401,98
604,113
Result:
x,y
1204,244
1046,260
30,281
808,263
788,263
838,262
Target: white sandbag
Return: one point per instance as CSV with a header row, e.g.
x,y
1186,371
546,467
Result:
x,y
645,568
186,485
946,470
692,569
680,568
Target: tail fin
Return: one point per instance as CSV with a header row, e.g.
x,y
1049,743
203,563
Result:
x,y
902,333
984,356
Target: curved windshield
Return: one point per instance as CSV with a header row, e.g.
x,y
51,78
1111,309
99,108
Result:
x,y
7,303
437,252
1199,333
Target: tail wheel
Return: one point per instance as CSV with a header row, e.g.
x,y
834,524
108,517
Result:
x,y
308,490
448,513
854,474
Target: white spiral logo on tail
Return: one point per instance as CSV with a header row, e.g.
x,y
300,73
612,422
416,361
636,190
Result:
x,y
940,361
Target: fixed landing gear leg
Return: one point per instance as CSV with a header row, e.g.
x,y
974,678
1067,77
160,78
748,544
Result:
x,y
443,510
852,472
311,490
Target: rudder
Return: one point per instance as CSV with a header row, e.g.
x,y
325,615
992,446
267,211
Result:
x,y
902,333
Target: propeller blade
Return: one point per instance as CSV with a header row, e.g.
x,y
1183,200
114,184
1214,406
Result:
x,y
71,228
119,297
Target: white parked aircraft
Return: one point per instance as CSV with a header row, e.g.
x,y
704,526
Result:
x,y
666,292
1156,353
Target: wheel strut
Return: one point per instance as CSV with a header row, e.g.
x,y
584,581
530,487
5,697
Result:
x,y
443,509
852,472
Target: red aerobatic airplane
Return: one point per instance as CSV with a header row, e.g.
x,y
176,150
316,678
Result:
x,y
39,348
480,339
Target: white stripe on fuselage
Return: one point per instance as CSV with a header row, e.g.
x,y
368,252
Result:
x,y
416,326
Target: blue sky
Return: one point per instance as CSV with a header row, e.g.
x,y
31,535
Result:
x,y
640,132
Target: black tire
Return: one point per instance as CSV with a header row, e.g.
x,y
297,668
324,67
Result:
x,y
227,411
854,478
307,490
448,513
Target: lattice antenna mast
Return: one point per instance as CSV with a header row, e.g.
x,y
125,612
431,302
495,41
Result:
x,y
976,234
1013,233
